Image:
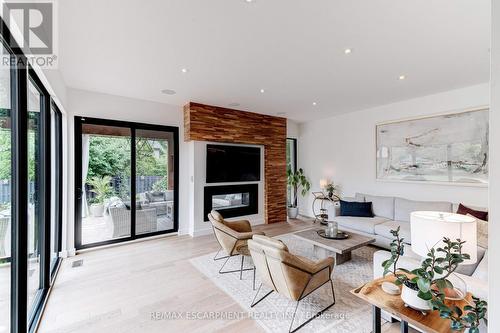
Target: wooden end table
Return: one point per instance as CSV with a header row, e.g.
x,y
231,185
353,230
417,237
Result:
x,y
340,249
431,322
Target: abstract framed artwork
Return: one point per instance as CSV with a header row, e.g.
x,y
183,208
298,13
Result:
x,y
449,148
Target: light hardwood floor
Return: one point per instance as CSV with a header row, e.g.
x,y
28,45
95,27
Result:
x,y
117,289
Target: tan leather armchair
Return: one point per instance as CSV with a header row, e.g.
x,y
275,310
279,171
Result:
x,y
232,237
292,276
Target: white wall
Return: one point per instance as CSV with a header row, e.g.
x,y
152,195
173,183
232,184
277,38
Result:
x,y
59,90
292,129
342,149
494,217
97,105
198,226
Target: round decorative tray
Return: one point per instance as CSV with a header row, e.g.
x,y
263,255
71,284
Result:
x,y
340,235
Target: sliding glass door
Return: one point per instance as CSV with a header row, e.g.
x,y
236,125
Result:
x,y
155,181
105,177
125,181
5,193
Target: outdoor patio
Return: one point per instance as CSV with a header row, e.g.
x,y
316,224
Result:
x,y
99,229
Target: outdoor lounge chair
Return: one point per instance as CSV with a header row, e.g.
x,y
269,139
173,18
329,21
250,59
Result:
x,y
146,221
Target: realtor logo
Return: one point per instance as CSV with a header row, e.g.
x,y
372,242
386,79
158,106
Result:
x,y
35,22
33,26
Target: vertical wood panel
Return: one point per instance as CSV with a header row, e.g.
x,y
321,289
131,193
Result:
x,y
211,123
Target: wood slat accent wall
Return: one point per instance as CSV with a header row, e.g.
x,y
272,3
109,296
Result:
x,y
212,123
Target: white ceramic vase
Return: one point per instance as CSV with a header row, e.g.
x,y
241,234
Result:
x,y
411,299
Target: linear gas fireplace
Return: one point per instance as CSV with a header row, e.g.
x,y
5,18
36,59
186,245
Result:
x,y
232,200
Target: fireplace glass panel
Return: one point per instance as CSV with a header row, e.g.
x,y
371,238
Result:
x,y
226,201
231,200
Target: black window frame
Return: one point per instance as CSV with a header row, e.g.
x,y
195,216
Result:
x,y
58,155
22,318
43,197
133,126
294,166
294,143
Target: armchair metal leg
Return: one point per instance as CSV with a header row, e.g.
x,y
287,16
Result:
x,y
220,258
241,269
257,293
313,317
233,271
254,277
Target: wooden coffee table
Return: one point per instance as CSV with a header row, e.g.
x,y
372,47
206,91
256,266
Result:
x,y
340,249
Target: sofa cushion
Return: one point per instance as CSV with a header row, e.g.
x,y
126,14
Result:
x,y
359,197
477,287
481,271
384,229
361,209
127,205
482,233
403,207
469,269
156,196
382,206
364,224
479,214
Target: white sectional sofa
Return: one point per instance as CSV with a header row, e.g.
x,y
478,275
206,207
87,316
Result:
x,y
391,212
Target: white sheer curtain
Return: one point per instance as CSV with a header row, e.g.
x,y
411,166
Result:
x,y
85,170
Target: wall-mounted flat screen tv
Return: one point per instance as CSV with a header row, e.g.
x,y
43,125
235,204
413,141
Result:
x,y
232,164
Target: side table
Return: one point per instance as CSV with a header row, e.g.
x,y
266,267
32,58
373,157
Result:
x,y
431,322
323,198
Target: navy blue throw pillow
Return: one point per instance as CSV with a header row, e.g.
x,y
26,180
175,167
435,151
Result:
x,y
359,209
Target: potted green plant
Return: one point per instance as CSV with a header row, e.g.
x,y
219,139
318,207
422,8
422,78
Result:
x,y
426,287
331,190
101,186
296,180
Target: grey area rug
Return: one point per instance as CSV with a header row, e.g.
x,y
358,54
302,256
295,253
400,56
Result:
x,y
349,314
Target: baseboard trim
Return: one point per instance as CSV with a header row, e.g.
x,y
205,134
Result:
x,y
138,240
209,231
201,232
67,253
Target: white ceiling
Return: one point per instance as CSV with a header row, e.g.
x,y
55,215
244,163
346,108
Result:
x,y
294,49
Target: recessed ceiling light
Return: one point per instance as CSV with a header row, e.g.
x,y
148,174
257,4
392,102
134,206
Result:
x,y
348,51
233,104
248,1
314,103
402,77
168,92
184,70
262,91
